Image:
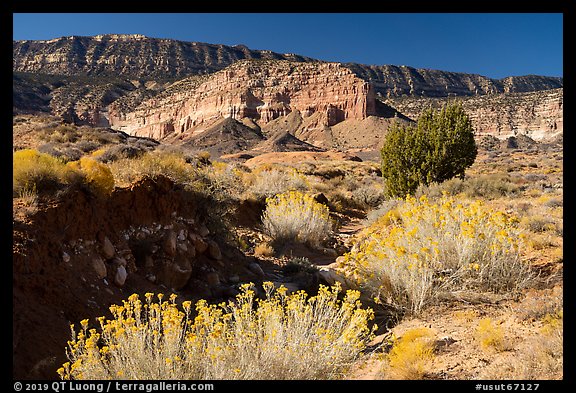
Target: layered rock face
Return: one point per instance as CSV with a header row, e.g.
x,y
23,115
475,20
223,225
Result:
x,y
538,114
397,81
137,56
131,55
259,90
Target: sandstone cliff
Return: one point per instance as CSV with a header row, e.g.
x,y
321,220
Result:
x,y
259,90
396,81
137,56
131,55
538,115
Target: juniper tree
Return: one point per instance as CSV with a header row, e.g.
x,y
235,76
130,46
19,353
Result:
x,y
439,147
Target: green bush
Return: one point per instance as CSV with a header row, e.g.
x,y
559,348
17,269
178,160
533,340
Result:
x,y
441,146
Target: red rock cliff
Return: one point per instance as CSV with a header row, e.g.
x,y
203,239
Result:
x,y
260,90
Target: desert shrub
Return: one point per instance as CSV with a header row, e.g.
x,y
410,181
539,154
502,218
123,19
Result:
x,y
86,146
224,179
534,177
154,164
539,224
299,264
64,133
204,156
420,249
270,182
483,186
96,175
117,152
411,355
279,337
142,143
49,148
441,146
107,137
490,335
294,216
368,195
554,203
264,249
66,152
382,210
436,190
69,153
490,187
34,170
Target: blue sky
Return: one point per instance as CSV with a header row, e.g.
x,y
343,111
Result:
x,y
490,44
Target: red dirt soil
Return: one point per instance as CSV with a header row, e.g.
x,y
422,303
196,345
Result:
x,y
49,293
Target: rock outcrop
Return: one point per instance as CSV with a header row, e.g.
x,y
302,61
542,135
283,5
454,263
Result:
x,y
397,81
538,115
259,90
132,55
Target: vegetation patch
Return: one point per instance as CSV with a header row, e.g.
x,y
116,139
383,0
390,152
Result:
x,y
279,337
294,216
420,249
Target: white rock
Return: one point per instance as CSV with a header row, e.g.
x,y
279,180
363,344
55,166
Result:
x,y
120,276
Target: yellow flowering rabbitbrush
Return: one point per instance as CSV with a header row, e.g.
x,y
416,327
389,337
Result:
x,y
295,216
419,249
278,337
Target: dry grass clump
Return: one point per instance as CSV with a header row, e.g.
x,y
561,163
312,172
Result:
x,y
39,171
490,335
227,180
411,355
269,181
153,164
96,175
279,337
540,358
264,249
487,186
294,216
28,197
420,249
